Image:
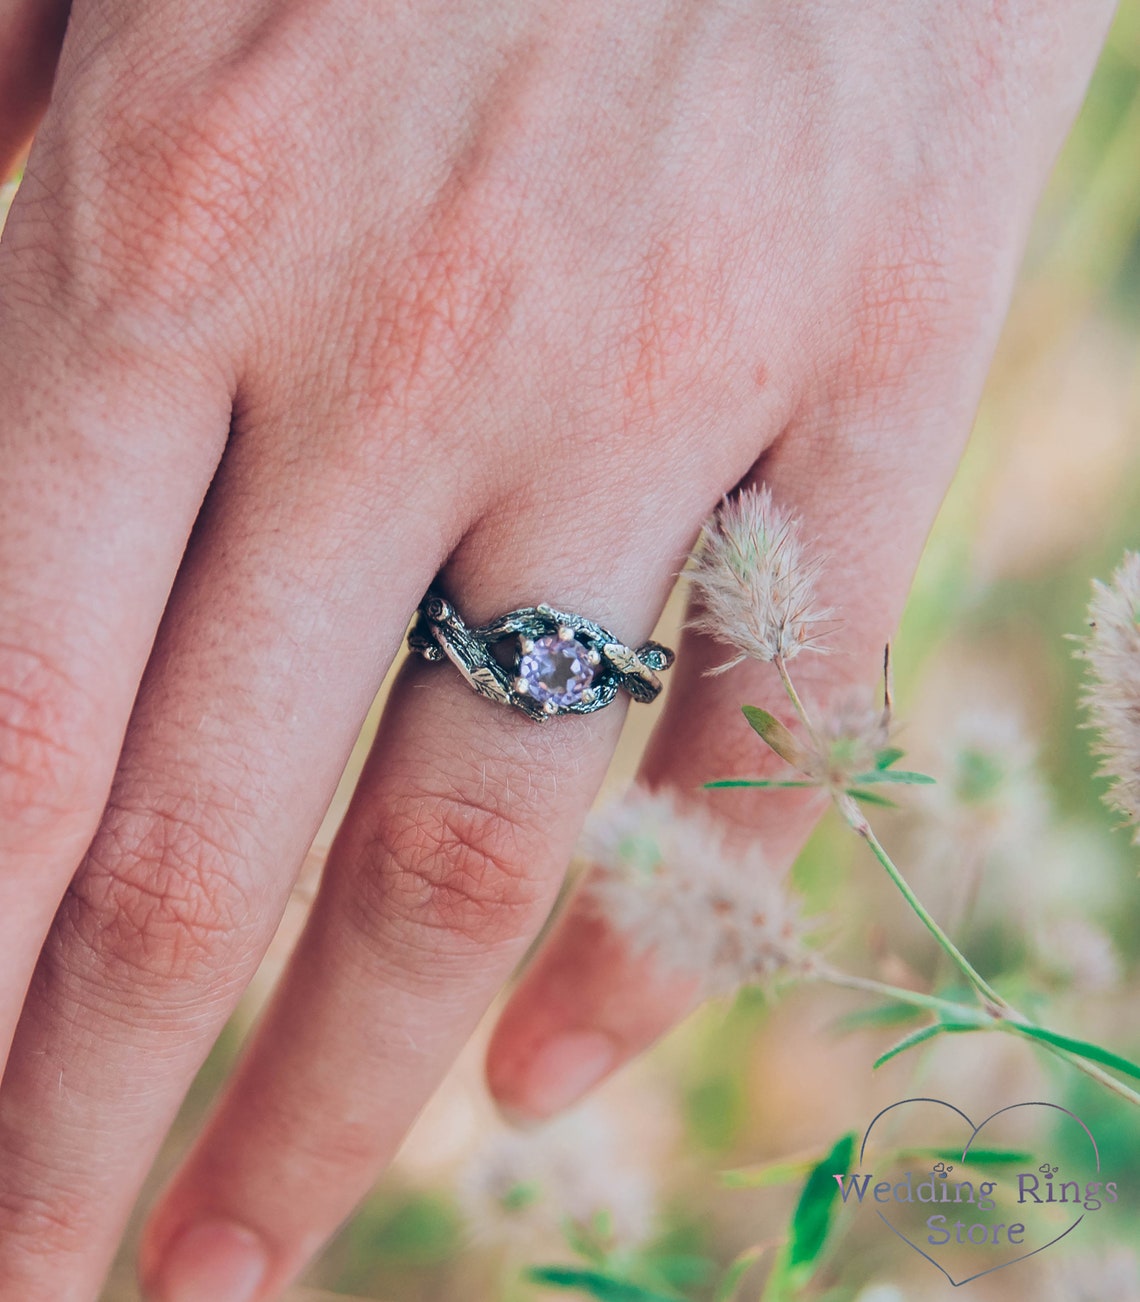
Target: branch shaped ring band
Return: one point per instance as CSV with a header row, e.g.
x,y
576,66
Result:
x,y
544,661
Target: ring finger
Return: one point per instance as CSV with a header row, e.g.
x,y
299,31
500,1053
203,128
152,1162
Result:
x,y
444,869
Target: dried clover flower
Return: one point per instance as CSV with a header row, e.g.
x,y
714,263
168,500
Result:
x,y
755,581
526,1185
666,877
1112,1275
849,741
991,809
1080,952
1112,697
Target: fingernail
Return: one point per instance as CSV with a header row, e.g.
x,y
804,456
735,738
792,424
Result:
x,y
213,1261
563,1070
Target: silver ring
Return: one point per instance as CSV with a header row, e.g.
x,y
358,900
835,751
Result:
x,y
541,660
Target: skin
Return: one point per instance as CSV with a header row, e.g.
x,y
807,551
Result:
x,y
301,304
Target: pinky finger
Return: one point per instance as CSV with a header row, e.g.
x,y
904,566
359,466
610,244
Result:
x,y
592,983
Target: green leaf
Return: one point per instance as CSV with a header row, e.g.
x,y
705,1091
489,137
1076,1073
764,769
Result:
x,y
991,1156
716,1108
871,798
976,1156
920,1036
595,1283
1082,1048
906,776
769,1175
815,1211
978,776
779,738
730,1284
584,1241
885,758
882,1015
964,1018
420,1229
520,1195
681,1270
759,782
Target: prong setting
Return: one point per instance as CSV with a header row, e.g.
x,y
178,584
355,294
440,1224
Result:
x,y
564,663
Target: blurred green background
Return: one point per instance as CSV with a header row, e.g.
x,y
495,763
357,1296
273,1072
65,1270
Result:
x,y
1047,497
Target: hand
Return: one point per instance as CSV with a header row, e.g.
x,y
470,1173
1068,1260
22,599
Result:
x,y
302,304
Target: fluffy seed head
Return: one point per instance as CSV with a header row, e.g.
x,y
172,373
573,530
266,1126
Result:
x,y
990,810
851,735
755,581
1080,953
524,1186
1112,696
1112,1275
667,879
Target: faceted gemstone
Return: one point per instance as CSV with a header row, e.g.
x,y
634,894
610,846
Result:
x,y
556,671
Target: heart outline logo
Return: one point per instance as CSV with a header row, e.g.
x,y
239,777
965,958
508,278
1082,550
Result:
x,y
975,1131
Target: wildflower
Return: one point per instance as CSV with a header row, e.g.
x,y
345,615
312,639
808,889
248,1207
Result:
x,y
851,738
755,582
524,1186
1112,697
1080,952
1110,1276
989,813
667,878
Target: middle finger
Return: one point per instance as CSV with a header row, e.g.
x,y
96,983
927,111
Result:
x,y
443,871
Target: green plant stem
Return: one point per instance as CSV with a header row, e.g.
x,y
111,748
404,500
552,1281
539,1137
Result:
x,y
854,817
996,1020
1002,1014
849,981
1090,1069
797,704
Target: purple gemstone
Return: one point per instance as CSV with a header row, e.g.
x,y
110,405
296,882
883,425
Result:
x,y
556,671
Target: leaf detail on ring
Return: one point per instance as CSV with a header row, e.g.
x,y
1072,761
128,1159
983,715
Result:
x,y
627,661
485,680
638,679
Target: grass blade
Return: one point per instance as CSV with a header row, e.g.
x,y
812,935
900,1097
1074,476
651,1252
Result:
x,y
1082,1048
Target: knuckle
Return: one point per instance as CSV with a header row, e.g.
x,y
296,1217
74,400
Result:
x,y
449,873
38,1226
903,302
136,232
342,1142
440,311
193,190
159,897
43,773
680,309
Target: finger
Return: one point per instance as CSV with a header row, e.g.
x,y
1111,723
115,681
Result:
x,y
444,869
31,33
267,660
868,501
106,454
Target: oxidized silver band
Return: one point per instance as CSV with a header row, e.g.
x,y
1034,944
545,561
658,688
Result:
x,y
558,663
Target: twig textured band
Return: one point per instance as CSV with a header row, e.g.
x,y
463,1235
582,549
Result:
x,y
558,664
